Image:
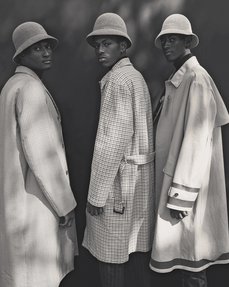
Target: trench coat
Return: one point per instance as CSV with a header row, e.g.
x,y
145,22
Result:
x,y
34,187
190,174
122,168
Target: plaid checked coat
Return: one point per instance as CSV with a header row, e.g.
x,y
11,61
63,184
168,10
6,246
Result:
x,y
34,187
122,168
190,174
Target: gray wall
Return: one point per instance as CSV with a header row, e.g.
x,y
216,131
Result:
x,y
73,80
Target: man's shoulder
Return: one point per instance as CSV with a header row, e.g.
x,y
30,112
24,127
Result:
x,y
198,73
19,82
126,73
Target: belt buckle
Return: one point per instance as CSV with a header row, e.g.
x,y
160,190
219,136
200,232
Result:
x,y
119,208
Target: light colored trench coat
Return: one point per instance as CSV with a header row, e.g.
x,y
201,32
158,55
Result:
x,y
34,187
190,174
122,168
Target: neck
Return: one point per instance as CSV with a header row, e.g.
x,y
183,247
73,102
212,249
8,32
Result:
x,y
180,61
39,73
122,57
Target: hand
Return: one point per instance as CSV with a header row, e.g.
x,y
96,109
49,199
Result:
x,y
178,214
66,221
94,210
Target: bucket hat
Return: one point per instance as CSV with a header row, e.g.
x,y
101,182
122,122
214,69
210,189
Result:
x,y
177,24
109,24
27,34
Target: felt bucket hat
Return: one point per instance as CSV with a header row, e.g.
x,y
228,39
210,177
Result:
x,y
177,24
27,34
109,24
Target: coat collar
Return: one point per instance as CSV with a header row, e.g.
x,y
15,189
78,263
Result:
x,y
121,63
222,116
25,70
177,78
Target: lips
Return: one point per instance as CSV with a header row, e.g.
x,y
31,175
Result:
x,y
47,62
167,53
102,59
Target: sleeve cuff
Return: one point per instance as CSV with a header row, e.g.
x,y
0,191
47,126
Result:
x,y
96,201
181,197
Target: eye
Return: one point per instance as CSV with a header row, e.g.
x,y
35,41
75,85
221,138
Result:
x,y
163,41
37,48
106,44
172,40
96,45
49,47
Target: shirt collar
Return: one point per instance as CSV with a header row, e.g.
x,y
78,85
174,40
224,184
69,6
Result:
x,y
121,63
177,78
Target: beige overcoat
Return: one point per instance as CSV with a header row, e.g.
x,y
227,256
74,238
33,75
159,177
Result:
x,y
190,174
34,187
122,168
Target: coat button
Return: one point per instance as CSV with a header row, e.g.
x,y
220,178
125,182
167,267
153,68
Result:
x,y
176,194
67,172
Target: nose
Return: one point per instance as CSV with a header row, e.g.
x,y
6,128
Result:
x,y
100,49
165,43
46,52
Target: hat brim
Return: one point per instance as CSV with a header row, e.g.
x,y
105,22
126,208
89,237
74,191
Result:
x,y
107,32
194,42
35,39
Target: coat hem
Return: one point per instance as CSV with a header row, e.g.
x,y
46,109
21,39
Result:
x,y
188,265
108,260
65,274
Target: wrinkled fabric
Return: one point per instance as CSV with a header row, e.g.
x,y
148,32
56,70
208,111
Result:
x,y
190,174
122,168
34,187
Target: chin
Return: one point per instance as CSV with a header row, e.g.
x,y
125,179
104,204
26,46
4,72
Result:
x,y
105,65
48,67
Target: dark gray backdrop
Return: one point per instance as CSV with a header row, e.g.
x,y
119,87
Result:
x,y
73,80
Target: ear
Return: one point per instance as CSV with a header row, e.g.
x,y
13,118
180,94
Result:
x,y
123,46
188,40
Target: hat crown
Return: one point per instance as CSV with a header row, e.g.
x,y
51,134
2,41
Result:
x,y
177,22
26,31
110,21
109,24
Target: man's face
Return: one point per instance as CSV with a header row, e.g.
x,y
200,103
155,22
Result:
x,y
108,50
38,57
173,46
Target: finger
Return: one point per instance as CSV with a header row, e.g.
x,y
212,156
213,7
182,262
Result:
x,y
62,224
89,211
100,210
62,221
69,222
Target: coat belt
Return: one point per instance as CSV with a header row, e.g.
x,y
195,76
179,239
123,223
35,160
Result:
x,y
140,159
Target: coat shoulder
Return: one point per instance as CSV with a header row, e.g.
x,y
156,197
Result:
x,y
30,86
127,75
199,74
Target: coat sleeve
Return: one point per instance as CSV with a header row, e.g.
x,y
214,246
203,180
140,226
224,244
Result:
x,y
195,152
113,136
40,147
